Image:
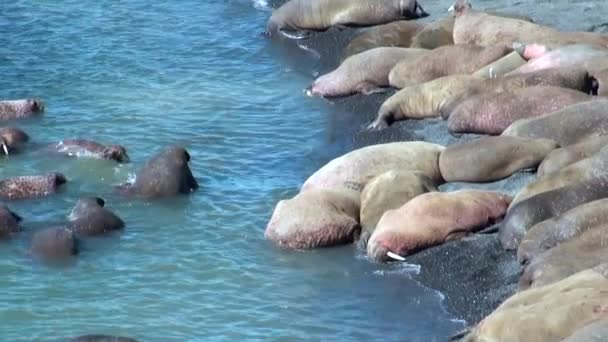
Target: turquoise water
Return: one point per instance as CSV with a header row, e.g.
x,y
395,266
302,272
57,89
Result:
x,y
195,73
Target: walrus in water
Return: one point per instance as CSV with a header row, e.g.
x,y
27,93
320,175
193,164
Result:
x,y
397,34
12,140
92,149
432,219
364,73
491,113
20,109
102,338
24,187
562,157
165,174
319,15
57,244
9,222
89,218
444,61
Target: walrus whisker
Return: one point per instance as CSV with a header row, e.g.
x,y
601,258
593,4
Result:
x,y
395,256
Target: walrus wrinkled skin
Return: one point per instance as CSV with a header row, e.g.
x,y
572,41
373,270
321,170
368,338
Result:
x,y
594,332
20,109
166,174
581,252
9,223
352,171
434,218
489,159
91,149
567,126
102,338
583,56
549,233
313,219
55,244
25,187
362,73
389,190
562,157
491,113
547,313
474,27
435,34
12,140
319,15
396,34
444,61
525,214
90,218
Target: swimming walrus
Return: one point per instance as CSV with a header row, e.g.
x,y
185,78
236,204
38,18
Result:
x,y
20,109
364,73
444,61
564,156
567,126
9,222
489,159
319,15
89,218
549,233
56,244
491,113
91,149
433,218
396,34
24,187
12,140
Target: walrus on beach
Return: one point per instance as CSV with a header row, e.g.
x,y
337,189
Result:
x,y
489,159
562,157
432,219
102,338
89,217
396,34
491,113
444,61
20,109
365,72
549,233
55,244
567,126
548,313
91,149
9,222
12,140
24,187
166,174
319,15
436,34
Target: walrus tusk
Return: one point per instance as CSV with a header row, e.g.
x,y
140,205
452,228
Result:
x,y
395,256
451,9
492,73
5,149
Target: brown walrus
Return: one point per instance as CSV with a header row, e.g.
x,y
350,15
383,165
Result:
x,y
444,61
9,222
12,140
396,34
562,157
434,218
20,109
24,187
364,73
491,113
435,34
92,149
319,15
488,159
56,244
89,218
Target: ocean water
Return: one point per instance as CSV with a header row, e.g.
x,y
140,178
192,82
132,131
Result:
x,y
195,73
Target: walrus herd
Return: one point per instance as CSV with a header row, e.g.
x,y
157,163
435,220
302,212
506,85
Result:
x,y
534,93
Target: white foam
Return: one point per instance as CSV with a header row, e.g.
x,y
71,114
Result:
x,y
402,268
261,5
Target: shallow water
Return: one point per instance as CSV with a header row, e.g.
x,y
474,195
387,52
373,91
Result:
x,y
198,74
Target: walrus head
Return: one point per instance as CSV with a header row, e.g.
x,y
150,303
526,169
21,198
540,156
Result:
x,y
84,205
460,7
56,179
410,9
35,105
117,153
11,139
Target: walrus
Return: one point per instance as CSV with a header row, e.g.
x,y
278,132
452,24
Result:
x,y
166,174
56,244
9,222
352,171
444,61
549,233
89,218
547,313
583,56
593,332
91,149
435,34
319,15
396,34
525,214
12,140
364,73
491,113
314,218
24,187
20,109
433,218
568,155
102,338
567,126
475,27
489,159
387,191
581,252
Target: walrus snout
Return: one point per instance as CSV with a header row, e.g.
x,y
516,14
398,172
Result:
x,y
57,179
35,105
